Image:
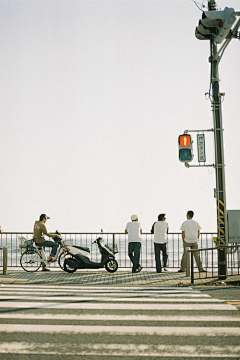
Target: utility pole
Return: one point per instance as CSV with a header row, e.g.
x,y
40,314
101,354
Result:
x,y
222,225
216,26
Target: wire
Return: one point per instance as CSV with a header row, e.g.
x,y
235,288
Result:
x,y
201,5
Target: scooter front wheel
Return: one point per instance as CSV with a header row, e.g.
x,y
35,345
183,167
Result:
x,y
111,265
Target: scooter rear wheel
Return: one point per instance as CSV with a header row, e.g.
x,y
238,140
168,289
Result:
x,y
68,268
111,265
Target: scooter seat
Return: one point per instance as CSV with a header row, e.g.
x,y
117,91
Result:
x,y
82,248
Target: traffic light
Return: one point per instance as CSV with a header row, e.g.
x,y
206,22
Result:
x,y
185,148
215,24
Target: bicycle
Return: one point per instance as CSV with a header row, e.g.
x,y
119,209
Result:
x,y
34,256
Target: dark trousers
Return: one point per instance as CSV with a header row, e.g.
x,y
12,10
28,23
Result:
x,y
157,249
134,254
49,243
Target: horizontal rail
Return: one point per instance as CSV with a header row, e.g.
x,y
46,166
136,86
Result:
x,y
232,263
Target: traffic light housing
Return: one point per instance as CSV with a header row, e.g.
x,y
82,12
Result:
x,y
185,148
215,24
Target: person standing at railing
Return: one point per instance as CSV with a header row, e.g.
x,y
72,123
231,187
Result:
x,y
160,231
38,233
1,230
190,236
134,231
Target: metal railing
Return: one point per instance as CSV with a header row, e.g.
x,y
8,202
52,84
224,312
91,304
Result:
x,y
211,256
175,248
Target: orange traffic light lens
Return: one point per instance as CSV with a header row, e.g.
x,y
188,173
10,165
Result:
x,y
185,140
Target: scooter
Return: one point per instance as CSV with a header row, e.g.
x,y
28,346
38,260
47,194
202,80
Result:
x,y
78,258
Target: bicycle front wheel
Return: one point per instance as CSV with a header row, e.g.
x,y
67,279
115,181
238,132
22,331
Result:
x,y
30,261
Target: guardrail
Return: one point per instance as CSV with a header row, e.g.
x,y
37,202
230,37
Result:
x,y
175,248
233,261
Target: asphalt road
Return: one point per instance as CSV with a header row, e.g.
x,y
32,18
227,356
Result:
x,y
58,322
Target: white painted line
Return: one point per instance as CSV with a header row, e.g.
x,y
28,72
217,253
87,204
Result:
x,y
121,330
103,288
100,288
98,317
104,299
113,294
111,306
143,350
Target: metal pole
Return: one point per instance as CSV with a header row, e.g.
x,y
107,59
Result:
x,y
5,261
222,227
188,262
192,273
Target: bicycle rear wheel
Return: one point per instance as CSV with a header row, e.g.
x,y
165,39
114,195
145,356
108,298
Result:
x,y
61,259
30,261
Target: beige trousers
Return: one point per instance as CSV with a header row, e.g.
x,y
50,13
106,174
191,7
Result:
x,y
195,254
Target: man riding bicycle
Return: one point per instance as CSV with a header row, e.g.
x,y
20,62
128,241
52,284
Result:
x,y
38,233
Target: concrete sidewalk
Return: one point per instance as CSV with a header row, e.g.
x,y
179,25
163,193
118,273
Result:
x,y
120,278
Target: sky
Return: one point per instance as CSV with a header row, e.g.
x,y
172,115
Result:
x,y
93,97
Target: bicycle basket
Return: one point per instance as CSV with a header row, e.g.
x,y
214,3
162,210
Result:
x,y
68,242
30,243
24,243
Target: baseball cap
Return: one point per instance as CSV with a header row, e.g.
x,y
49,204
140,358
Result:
x,y
134,217
44,216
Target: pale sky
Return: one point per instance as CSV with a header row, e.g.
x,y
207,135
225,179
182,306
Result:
x,y
93,96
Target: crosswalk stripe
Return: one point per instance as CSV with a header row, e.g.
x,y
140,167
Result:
x,y
115,317
122,289
104,299
146,350
112,294
149,330
113,306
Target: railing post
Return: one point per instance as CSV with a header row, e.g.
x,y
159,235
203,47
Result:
x,y
188,262
238,252
5,261
113,242
192,273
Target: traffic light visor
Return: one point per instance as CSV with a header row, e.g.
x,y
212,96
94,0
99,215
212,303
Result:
x,y
185,140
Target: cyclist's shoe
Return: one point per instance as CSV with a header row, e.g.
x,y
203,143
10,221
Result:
x,y
45,269
51,259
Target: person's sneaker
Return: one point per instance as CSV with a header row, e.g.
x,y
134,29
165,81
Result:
x,y
165,269
181,270
203,270
51,259
139,269
45,269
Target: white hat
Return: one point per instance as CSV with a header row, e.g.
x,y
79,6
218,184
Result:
x,y
134,217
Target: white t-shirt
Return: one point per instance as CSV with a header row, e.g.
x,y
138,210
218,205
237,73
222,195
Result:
x,y
133,229
191,228
160,232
